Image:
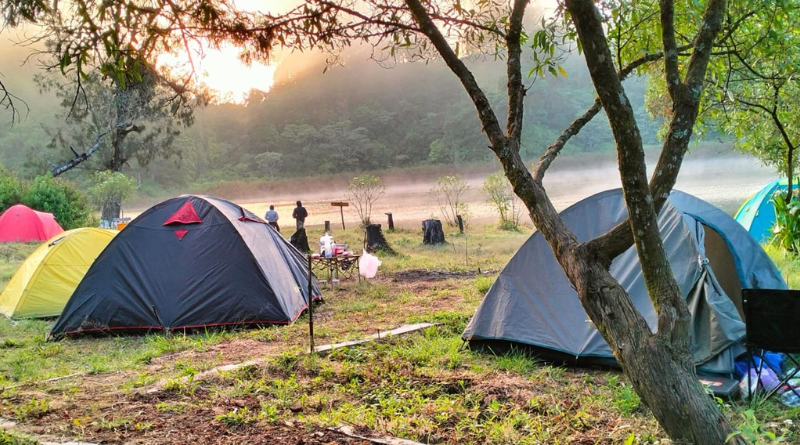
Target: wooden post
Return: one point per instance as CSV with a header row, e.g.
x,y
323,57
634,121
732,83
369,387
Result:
x,y
310,307
327,226
460,223
341,205
391,221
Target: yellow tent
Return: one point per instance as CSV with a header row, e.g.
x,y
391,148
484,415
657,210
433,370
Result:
x,y
45,281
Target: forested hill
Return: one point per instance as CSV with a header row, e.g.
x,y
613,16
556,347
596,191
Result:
x,y
355,117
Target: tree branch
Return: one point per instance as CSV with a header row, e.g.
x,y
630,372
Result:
x,y
7,102
72,163
577,125
487,116
670,46
516,91
686,104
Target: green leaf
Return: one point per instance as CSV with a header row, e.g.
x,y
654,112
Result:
x,y
630,439
562,71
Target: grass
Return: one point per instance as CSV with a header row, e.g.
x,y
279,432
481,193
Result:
x,y
424,387
787,264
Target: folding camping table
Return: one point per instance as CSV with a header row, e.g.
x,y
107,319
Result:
x,y
338,267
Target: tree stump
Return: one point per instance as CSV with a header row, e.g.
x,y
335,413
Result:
x,y
432,232
376,240
300,240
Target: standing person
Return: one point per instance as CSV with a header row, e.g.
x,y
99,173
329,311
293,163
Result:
x,y
272,218
300,214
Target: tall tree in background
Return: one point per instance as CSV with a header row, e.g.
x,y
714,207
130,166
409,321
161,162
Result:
x,y
618,38
757,90
140,118
753,87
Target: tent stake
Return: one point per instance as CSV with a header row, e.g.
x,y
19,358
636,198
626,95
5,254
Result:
x,y
310,308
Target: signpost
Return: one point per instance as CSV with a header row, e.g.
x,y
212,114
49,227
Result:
x,y
341,205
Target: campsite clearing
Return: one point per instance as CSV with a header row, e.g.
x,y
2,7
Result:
x,y
421,387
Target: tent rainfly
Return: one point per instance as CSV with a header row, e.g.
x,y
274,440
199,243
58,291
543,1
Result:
x,y
190,262
46,279
532,304
22,224
757,214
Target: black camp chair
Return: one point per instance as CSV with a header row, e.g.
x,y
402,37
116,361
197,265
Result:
x,y
772,319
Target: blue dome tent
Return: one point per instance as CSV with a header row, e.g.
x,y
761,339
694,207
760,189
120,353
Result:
x,y
532,304
757,214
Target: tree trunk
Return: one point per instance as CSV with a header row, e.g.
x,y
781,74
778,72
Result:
x,y
659,365
110,211
300,240
789,171
668,386
376,241
116,150
432,232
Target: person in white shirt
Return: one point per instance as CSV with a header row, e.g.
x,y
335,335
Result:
x,y
272,218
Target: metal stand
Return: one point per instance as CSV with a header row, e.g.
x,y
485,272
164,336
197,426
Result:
x,y
310,307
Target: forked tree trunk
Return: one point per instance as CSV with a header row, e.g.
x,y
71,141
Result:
x,y
659,365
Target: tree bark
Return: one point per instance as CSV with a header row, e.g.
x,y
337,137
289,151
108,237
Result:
x,y
432,232
376,241
117,160
300,241
110,211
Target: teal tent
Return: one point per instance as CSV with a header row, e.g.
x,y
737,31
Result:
x,y
757,214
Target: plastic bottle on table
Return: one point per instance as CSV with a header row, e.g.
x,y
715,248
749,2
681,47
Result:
x,y
326,245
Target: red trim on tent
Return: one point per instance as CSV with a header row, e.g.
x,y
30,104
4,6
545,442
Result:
x,y
159,328
248,219
181,233
185,215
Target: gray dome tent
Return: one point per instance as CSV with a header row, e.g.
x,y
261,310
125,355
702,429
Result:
x,y
533,304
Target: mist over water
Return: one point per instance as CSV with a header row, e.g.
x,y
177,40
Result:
x,y
725,181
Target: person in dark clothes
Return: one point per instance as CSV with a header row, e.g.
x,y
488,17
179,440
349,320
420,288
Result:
x,y
272,218
300,214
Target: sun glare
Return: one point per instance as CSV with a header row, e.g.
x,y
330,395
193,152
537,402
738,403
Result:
x,y
229,79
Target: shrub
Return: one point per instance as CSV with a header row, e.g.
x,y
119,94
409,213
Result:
x,y
110,191
59,197
363,191
11,189
499,193
786,232
449,192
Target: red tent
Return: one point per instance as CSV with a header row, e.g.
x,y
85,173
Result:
x,y
22,224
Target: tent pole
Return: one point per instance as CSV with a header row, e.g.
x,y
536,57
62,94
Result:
x,y
310,308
